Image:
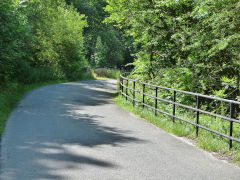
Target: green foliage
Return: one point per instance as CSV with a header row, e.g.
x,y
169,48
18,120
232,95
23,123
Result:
x,y
104,73
113,73
40,41
13,30
199,37
114,52
100,54
58,42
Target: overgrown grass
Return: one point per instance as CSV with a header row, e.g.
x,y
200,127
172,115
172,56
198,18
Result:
x,y
12,93
108,74
113,73
205,140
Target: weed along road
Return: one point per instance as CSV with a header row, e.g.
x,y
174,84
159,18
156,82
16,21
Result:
x,y
74,131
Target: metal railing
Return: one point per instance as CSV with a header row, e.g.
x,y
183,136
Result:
x,y
231,119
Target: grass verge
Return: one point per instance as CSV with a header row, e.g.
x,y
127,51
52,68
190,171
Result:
x,y
205,140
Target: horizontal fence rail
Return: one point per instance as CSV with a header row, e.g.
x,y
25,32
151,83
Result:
x,y
126,90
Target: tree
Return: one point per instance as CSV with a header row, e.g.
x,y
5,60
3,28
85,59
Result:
x,y
40,40
100,53
200,38
58,40
110,36
13,30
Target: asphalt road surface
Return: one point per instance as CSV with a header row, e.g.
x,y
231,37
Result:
x,y
74,131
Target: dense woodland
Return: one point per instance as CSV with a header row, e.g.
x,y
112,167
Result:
x,y
191,45
186,44
43,40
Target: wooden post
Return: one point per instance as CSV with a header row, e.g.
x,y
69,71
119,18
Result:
x,y
143,97
197,121
134,84
127,89
231,124
174,105
156,101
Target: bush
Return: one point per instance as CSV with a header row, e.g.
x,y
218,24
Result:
x,y
108,73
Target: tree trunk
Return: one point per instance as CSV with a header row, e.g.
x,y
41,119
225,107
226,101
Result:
x,y
151,62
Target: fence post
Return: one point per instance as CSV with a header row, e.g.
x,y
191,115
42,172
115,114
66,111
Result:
x,y
122,86
174,105
231,124
156,101
126,90
134,84
143,97
197,121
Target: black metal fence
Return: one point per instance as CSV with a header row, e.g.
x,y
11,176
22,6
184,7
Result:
x,y
124,89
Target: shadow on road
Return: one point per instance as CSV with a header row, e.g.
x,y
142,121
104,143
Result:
x,y
66,136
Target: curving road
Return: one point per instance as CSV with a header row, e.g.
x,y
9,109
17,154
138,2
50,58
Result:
x,y
73,131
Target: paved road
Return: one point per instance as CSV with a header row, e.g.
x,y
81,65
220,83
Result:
x,y
73,131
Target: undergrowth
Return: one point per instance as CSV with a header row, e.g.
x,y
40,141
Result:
x,y
108,74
